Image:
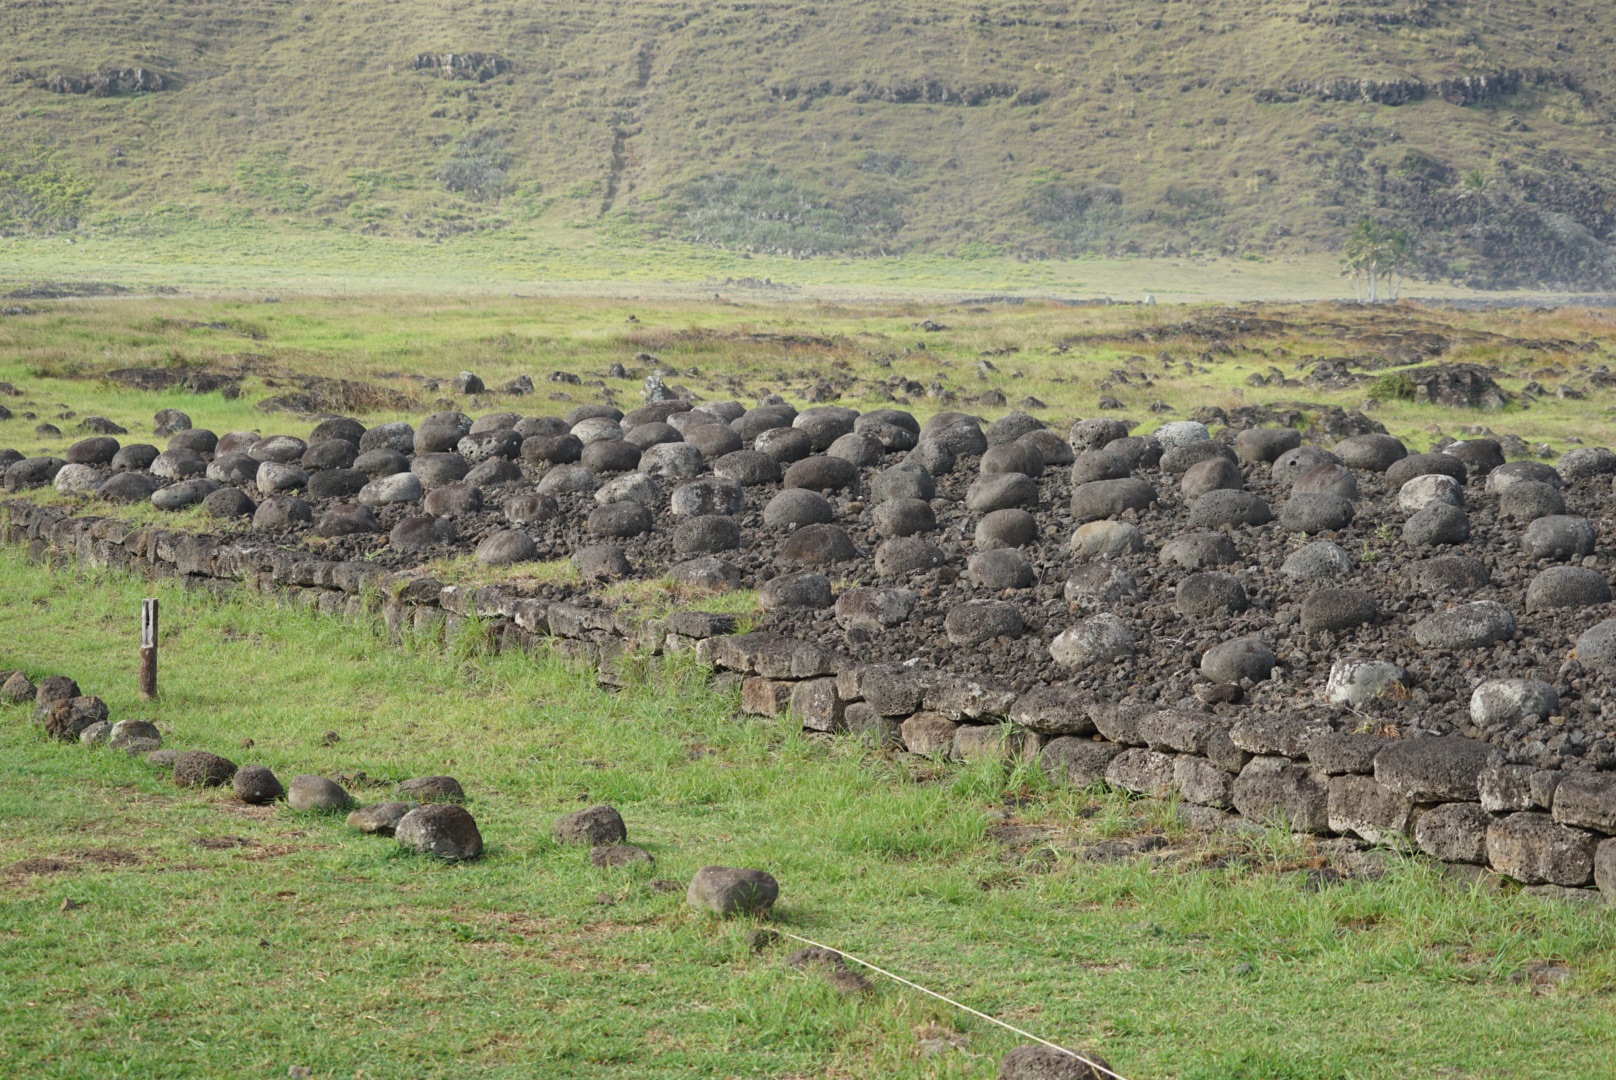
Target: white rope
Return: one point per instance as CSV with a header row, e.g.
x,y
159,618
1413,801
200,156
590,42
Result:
x,y
932,993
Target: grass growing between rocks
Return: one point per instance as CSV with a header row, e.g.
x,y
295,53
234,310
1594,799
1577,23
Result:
x,y
215,939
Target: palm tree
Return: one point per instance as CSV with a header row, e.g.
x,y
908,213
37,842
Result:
x,y
1375,252
1473,188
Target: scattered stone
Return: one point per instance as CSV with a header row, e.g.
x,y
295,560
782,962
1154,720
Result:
x,y
257,785
380,818
428,789
198,768
441,829
726,891
595,826
308,792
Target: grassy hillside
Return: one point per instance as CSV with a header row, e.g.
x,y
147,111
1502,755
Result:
x,y
1029,129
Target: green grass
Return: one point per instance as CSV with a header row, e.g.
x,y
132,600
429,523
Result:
x,y
311,945
1062,356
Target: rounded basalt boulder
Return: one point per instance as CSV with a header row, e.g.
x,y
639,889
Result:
x,y
1184,457
1181,432
906,480
596,411
631,487
1479,456
1405,469
233,468
1430,490
1100,583
1327,479
959,439
1529,500
1093,465
1448,574
567,480
282,512
653,412
1011,427
1435,526
347,519
381,462
316,793
129,487
620,456
1374,453
1213,474
859,449
185,493
438,469
619,519
442,830
441,433
198,768
1500,479
552,449
529,509
396,436
1289,466
754,422
1100,639
906,555
430,789
1095,433
749,468
453,499
825,424
78,479
1567,587
1012,527
1054,450
1210,592
1312,514
274,476
530,427
707,572
1255,445
401,487
97,450
1111,498
168,421
479,446
602,562
1335,610
257,785
1012,458
1216,509
713,440
705,534
893,439
1199,551
199,441
895,418
509,546
1238,660
821,473
421,533
1596,646
1139,451
798,508
1586,461
935,458
784,444
806,589
818,545
38,471
1558,537
229,503
978,621
646,436
331,454
672,461
873,610
1465,626
1001,568
284,449
178,465
134,457
337,483
1319,561
338,429
708,495
903,517
1106,540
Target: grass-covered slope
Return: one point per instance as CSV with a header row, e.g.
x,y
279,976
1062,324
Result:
x,y
1035,128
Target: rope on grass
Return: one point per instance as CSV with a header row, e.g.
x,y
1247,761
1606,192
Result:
x,y
1096,1066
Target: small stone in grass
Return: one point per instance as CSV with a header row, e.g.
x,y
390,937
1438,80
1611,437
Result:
x,y
198,768
727,891
595,826
308,792
441,829
380,818
613,855
255,784
1039,1062
431,789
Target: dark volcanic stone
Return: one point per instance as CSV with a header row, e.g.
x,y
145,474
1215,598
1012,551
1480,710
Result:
x,y
331,454
437,469
505,547
602,562
804,589
903,481
134,457
347,519
421,533
1006,528
397,436
1213,474
1110,498
337,483
256,785
978,621
495,470
383,461
441,829
1405,469
552,449
706,534
1289,466
1315,514
903,517
282,512
1198,551
610,456
621,519
1327,479
750,468
1219,508
1566,587
198,768
1449,573
818,544
597,825
1466,626
907,554
1092,465
1238,659
798,507
1432,769
1436,525
1560,536
228,503
784,444
1210,593
821,473
1001,568
1375,453
1338,609
528,509
99,450
1000,490
1012,458
1265,444
714,440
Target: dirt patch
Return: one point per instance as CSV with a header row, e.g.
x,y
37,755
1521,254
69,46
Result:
x,y
65,290
318,395
224,843
43,865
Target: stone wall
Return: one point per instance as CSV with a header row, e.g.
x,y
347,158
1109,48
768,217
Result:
x,y
1445,797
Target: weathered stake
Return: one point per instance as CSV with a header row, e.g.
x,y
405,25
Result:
x,y
148,649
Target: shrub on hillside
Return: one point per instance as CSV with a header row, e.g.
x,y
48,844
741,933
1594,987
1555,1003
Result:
x,y
477,166
38,194
766,212
1078,218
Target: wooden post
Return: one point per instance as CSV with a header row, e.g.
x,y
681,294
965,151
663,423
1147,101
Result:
x,y
148,649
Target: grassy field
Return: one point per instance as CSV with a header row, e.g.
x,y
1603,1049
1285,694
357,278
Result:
x,y
865,354
214,939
